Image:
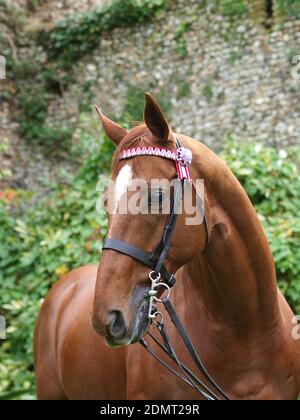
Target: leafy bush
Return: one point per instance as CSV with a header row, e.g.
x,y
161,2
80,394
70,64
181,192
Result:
x,y
65,232
233,9
271,179
75,35
4,173
36,85
36,249
179,35
33,107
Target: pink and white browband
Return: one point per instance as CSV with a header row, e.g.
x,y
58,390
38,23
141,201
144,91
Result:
x,y
181,156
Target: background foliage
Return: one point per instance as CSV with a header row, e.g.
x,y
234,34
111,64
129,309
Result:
x,y
271,179
75,36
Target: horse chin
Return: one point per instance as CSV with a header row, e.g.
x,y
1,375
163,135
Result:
x,y
139,323
135,337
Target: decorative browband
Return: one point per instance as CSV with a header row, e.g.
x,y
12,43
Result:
x,y
181,156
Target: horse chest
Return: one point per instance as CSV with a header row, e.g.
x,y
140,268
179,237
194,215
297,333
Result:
x,y
243,372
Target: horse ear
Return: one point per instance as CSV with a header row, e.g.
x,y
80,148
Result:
x,y
114,131
155,119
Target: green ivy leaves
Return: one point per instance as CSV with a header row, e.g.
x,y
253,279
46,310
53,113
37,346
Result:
x,y
76,35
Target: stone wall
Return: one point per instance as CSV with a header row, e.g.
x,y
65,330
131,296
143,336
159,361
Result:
x,y
235,79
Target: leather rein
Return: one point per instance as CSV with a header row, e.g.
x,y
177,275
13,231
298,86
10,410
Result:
x,y
155,261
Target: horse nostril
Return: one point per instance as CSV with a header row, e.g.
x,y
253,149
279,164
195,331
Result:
x,y
116,324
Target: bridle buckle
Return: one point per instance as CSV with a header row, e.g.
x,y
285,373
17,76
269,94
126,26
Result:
x,y
155,284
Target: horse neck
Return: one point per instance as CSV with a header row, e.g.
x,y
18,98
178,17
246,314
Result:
x,y
234,277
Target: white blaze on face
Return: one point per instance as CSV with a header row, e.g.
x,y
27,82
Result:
x,y
123,182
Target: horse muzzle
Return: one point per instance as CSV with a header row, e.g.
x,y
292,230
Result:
x,y
123,326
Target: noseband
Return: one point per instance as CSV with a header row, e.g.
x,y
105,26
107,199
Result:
x,y
155,261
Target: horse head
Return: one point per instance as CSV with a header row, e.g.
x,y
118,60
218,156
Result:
x,y
121,304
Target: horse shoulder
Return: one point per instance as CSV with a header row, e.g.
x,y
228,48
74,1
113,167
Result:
x,y
51,323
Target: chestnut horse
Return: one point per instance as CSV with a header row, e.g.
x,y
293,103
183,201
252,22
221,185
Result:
x,y
86,338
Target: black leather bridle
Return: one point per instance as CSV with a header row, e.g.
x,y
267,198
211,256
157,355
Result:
x,y
155,261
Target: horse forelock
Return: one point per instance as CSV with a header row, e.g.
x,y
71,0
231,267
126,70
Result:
x,y
140,135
